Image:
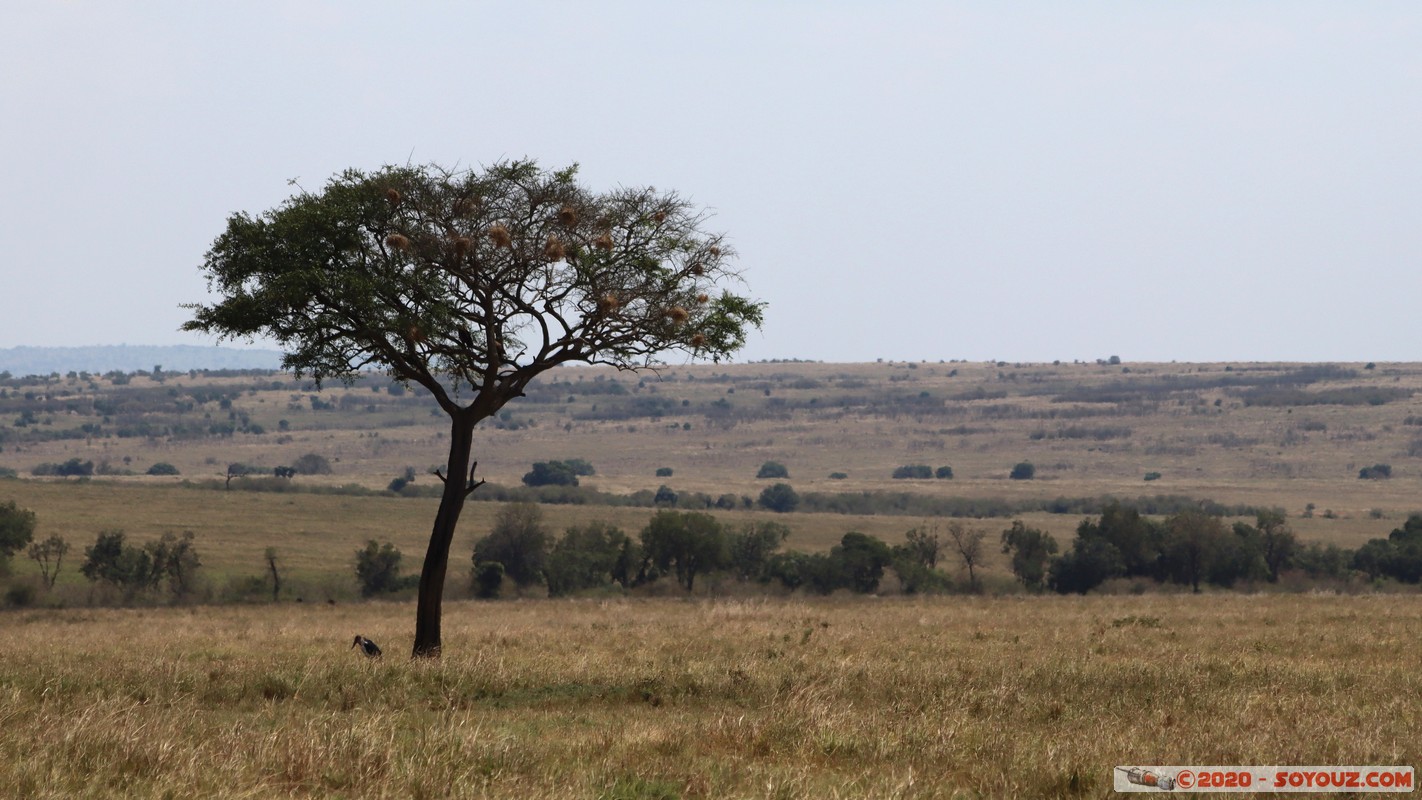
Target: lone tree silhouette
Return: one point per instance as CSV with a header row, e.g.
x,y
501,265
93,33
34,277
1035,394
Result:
x,y
471,283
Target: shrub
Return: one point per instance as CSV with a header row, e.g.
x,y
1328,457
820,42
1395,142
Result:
x,y
487,578
838,476
689,543
579,466
73,467
377,568
1376,472
162,468
1152,476
17,528
664,472
913,472
780,498
749,550
943,473
519,541
20,595
550,473
312,464
587,557
773,469
1023,471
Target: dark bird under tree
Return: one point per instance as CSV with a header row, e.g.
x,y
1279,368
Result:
x,y
371,649
471,284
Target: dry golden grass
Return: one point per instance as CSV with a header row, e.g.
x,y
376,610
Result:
x,y
971,697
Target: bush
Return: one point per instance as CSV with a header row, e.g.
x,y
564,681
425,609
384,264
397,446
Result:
x,y
588,557
780,498
1152,476
773,469
17,528
838,476
132,569
579,466
20,595
749,550
71,468
688,543
943,473
162,468
1376,472
378,569
550,473
1023,471
487,578
312,464
519,541
664,472
913,472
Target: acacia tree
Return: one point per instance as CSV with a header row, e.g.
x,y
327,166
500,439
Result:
x,y
471,284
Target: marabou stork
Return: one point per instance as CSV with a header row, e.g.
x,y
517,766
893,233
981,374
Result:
x,y
371,649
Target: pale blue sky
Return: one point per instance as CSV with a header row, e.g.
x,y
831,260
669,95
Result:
x,y
905,180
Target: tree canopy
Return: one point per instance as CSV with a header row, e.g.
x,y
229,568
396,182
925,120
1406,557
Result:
x,y
474,281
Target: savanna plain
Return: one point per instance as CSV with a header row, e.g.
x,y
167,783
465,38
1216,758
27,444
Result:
x,y
732,690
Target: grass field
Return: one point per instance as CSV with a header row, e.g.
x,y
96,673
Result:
x,y
948,697
724,695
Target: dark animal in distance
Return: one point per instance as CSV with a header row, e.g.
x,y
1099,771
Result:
x,y
371,649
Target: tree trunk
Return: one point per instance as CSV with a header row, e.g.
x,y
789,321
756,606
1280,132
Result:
x,y
456,489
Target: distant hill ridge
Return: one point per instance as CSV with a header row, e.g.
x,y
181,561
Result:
x,y
21,361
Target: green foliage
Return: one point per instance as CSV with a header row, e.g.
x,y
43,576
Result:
x,y
1090,562
923,546
132,569
579,466
162,468
915,562
393,270
1192,546
780,498
17,528
487,578
1152,476
1023,471
312,464
519,541
913,472
1399,556
689,543
586,557
550,473
73,468
1272,540
1030,549
943,473
773,469
664,472
838,476
1376,472
377,569
857,562
749,550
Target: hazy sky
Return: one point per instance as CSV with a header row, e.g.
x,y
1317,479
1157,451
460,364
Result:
x,y
903,180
